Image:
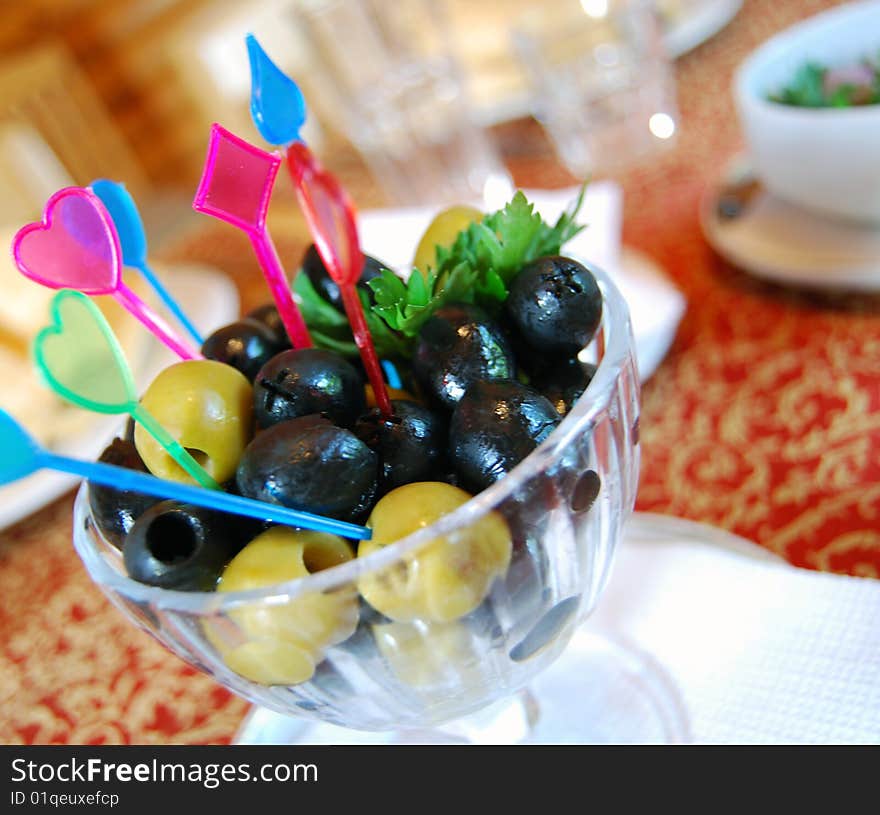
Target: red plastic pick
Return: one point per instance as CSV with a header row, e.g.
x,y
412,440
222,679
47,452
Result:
x,y
331,217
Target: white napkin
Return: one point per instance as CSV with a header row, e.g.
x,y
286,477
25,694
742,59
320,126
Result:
x,y
761,651
602,212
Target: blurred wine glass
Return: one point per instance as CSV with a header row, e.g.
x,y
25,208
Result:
x,y
601,81
387,74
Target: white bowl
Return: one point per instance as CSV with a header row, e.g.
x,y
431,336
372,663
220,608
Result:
x,y
824,159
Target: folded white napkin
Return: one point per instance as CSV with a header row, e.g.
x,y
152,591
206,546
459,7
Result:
x,y
761,651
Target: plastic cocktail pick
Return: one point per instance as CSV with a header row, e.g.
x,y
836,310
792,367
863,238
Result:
x,y
235,187
391,374
277,105
20,455
82,361
75,246
331,219
279,111
133,242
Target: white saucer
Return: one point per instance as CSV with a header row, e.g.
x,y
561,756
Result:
x,y
783,243
210,299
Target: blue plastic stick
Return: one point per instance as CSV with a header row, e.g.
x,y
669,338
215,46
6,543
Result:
x,y
20,455
133,241
170,303
277,105
391,375
121,478
278,110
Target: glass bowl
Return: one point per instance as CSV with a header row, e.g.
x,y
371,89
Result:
x,y
565,506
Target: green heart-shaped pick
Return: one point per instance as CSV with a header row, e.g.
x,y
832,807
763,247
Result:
x,y
80,357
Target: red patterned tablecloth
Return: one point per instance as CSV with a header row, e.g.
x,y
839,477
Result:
x,y
764,419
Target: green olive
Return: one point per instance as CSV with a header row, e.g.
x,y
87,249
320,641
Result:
x,y
447,577
208,408
393,393
280,644
428,654
443,231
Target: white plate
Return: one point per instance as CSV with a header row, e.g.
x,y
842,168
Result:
x,y
783,243
692,22
656,306
210,300
652,527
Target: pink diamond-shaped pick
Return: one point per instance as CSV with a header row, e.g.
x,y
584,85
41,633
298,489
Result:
x,y
236,186
237,181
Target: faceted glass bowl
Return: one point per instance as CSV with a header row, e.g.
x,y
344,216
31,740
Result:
x,y
565,506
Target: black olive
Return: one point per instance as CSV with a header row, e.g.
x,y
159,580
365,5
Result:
x,y
458,346
494,427
529,361
555,304
564,382
246,345
411,444
180,546
305,381
129,430
322,283
309,464
115,511
268,315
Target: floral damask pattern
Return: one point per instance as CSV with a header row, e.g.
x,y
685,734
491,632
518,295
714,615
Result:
x,y
74,670
765,417
768,423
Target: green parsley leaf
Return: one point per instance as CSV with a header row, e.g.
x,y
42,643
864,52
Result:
x,y
809,88
417,292
316,311
517,228
329,327
388,343
388,289
551,241
479,266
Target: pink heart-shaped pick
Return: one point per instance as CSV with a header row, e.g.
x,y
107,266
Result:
x,y
75,246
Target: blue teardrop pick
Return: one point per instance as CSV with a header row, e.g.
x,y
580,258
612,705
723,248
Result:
x,y
126,219
133,242
19,453
277,105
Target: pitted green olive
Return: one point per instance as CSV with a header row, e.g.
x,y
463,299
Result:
x,y
281,643
208,408
443,231
449,576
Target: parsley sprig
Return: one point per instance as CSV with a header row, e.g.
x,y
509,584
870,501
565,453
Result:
x,y
478,268
329,327
809,88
